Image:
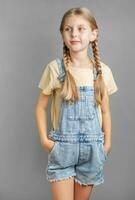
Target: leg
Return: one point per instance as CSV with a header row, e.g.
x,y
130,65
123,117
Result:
x,y
63,189
82,192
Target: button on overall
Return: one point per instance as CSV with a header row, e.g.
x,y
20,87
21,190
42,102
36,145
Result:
x,y
78,149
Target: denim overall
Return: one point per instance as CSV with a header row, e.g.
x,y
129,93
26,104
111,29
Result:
x,y
78,149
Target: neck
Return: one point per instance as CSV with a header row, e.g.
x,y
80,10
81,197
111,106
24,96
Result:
x,y
80,59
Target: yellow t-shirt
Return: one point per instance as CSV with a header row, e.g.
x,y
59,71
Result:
x,y
51,85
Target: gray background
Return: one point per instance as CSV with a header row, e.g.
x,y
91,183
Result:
x,y
30,38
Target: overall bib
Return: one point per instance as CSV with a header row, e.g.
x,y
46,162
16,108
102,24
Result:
x,y
78,149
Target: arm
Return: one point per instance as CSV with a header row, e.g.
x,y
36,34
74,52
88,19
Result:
x,y
41,117
106,121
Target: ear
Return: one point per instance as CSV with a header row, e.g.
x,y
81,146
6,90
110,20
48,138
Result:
x,y
94,35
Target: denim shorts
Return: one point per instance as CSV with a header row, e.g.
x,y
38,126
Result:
x,y
83,159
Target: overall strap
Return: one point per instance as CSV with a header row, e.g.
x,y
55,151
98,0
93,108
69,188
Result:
x,y
61,69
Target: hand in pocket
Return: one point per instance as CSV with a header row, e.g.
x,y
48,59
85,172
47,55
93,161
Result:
x,y
52,143
107,148
48,145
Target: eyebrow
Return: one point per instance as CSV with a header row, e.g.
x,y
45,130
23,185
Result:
x,y
78,25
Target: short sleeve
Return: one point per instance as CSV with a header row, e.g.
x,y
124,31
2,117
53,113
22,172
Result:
x,y
46,82
49,81
109,79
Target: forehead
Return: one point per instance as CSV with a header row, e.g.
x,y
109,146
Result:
x,y
76,20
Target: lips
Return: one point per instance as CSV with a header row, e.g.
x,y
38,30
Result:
x,y
74,42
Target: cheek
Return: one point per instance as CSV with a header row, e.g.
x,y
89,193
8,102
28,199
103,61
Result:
x,y
66,37
86,39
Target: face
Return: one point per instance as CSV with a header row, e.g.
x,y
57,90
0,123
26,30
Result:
x,y
77,33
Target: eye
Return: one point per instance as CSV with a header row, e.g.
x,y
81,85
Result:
x,y
67,29
81,28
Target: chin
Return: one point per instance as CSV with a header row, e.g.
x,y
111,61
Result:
x,y
75,48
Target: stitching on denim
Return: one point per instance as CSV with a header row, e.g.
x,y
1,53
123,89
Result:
x,y
60,179
82,184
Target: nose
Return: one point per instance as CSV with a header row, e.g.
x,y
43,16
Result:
x,y
74,33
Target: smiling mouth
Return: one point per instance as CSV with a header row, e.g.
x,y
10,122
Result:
x,y
74,42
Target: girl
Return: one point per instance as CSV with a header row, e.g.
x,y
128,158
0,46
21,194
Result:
x,y
79,141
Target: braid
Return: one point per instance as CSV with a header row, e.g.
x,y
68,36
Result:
x,y
96,55
69,88
99,82
66,55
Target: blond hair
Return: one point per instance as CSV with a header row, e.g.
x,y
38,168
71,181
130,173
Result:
x,y
69,89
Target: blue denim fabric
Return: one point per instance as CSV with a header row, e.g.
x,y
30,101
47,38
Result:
x,y
78,149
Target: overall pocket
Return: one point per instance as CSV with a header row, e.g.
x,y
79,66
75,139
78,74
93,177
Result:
x,y
73,111
90,111
80,110
67,154
53,148
104,152
62,155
